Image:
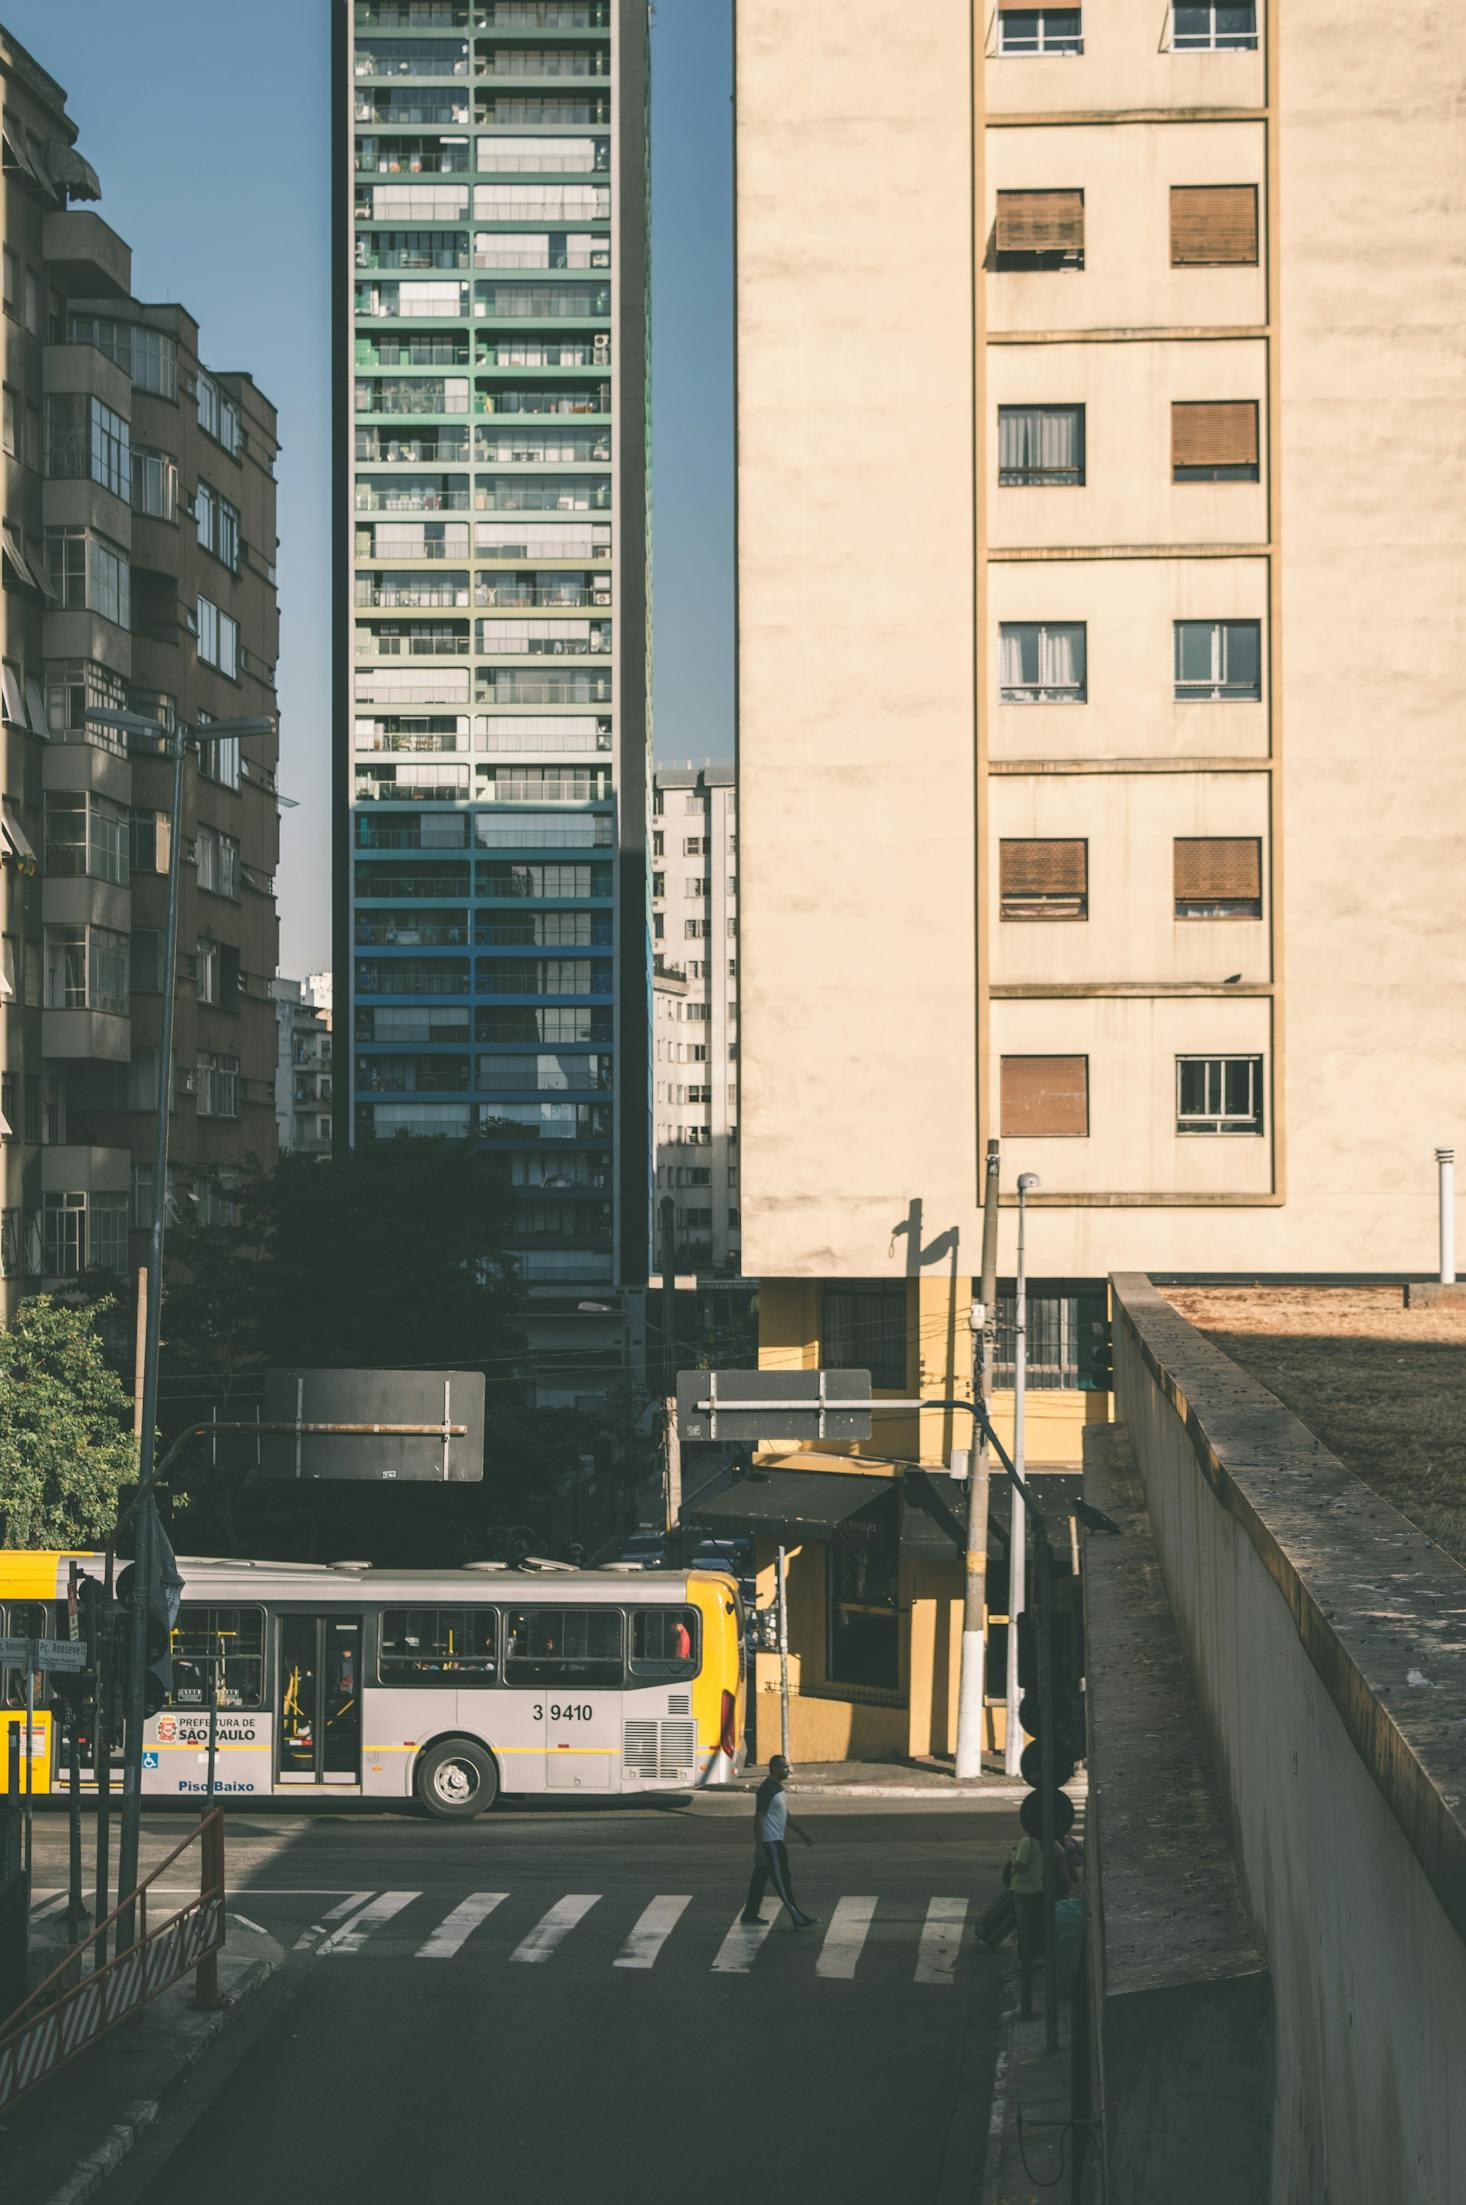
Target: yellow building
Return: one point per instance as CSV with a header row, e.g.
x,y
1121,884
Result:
x,y
1101,618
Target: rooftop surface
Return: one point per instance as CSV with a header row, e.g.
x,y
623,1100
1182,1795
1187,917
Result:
x,y
1382,1386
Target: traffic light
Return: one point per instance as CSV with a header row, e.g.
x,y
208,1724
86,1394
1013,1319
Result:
x,y
1033,1714
158,1645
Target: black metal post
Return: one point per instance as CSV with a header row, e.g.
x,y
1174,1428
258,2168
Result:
x,y
76,1910
102,1749
1047,1786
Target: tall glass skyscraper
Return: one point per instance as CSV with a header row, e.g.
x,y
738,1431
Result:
x,y
492,604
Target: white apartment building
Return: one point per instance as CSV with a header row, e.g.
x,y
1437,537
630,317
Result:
x,y
303,1073
695,1015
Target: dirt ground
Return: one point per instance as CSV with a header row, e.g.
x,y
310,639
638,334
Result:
x,y
1383,1386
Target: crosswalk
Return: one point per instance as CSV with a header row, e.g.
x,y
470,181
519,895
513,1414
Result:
x,y
923,1937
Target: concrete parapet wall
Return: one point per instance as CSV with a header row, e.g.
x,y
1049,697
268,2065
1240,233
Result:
x,y
1326,1642
1181,1996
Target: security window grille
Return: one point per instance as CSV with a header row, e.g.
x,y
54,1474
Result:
x,y
1040,30
863,1327
1219,1094
1213,225
1045,1096
1041,445
1066,1335
1218,661
1214,441
1044,879
1041,662
1211,28
1039,229
1218,877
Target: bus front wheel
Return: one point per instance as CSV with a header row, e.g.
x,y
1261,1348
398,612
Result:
x,y
456,1780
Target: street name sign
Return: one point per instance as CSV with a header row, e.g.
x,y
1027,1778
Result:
x,y
42,1653
773,1404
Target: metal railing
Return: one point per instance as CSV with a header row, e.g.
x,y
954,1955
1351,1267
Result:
x,y
73,2006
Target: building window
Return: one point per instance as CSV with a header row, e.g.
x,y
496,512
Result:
x,y
146,975
1041,444
863,1327
216,1086
84,438
1213,225
1041,662
1039,30
154,484
1039,229
1214,441
86,969
218,863
1210,27
1218,661
218,415
84,1232
146,356
1218,877
218,639
217,522
1045,878
88,572
864,1642
1045,1096
151,840
207,966
1067,1336
87,834
76,686
1219,1094
11,415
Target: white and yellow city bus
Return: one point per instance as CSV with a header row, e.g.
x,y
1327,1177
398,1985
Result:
x,y
444,1686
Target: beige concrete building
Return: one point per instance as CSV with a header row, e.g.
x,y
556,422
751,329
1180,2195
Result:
x,y
139,575
1107,797
695,1015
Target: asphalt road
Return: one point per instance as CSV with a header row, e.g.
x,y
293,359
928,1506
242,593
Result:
x,y
552,2005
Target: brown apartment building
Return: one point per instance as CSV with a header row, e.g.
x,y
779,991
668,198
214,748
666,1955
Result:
x,y
139,549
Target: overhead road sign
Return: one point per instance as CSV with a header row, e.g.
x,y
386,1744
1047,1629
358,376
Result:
x,y
373,1425
773,1404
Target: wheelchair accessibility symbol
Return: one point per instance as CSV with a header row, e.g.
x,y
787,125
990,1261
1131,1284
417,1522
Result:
x,y
150,1760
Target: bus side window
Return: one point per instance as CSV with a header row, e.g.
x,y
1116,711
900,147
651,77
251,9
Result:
x,y
664,1642
563,1646
450,1646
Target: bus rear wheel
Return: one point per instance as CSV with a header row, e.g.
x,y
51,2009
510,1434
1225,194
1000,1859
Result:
x,y
456,1780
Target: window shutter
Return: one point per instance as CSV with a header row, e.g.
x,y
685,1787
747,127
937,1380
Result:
x,y
1218,869
1045,1095
1217,433
1040,222
1213,225
1034,873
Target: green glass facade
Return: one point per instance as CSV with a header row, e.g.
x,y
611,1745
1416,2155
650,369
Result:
x,y
498,725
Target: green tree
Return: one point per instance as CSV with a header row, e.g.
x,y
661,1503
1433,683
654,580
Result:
x,y
66,1444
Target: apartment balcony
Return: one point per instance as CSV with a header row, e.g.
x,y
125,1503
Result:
x,y
82,370
413,498
419,109
594,400
446,253
410,157
76,632
72,1168
445,593
372,644
518,496
87,255
542,15
412,15
397,58
91,758
71,1034
562,593
540,64
76,501
380,447
83,900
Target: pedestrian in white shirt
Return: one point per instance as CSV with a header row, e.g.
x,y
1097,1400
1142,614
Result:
x,y
770,1848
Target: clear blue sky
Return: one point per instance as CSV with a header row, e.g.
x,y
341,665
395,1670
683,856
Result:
x,y
209,127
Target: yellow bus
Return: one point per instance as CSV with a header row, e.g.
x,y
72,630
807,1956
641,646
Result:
x,y
450,1687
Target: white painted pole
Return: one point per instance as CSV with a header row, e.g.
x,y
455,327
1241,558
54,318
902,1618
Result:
x,y
1017,1538
783,1655
1446,1163
971,1684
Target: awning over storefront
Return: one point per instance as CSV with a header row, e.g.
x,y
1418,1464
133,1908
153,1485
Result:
x,y
933,1516
794,1504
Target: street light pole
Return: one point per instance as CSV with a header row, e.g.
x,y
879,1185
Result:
x,y
1017,1541
971,1686
174,741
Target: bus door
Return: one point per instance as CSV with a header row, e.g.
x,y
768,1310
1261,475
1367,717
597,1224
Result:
x,y
319,1730
565,1663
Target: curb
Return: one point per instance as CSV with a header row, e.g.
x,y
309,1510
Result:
x,y
102,2162
1078,1789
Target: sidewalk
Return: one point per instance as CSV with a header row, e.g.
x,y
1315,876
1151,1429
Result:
x,y
898,1780
62,2142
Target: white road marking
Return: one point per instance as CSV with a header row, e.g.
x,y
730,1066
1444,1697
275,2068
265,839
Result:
x,y
353,1934
245,1923
555,1927
652,1930
348,1905
941,1941
456,1928
737,1952
845,1937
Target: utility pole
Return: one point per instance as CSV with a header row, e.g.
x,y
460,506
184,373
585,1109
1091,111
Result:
x,y
783,1653
671,1465
1017,1538
974,1588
